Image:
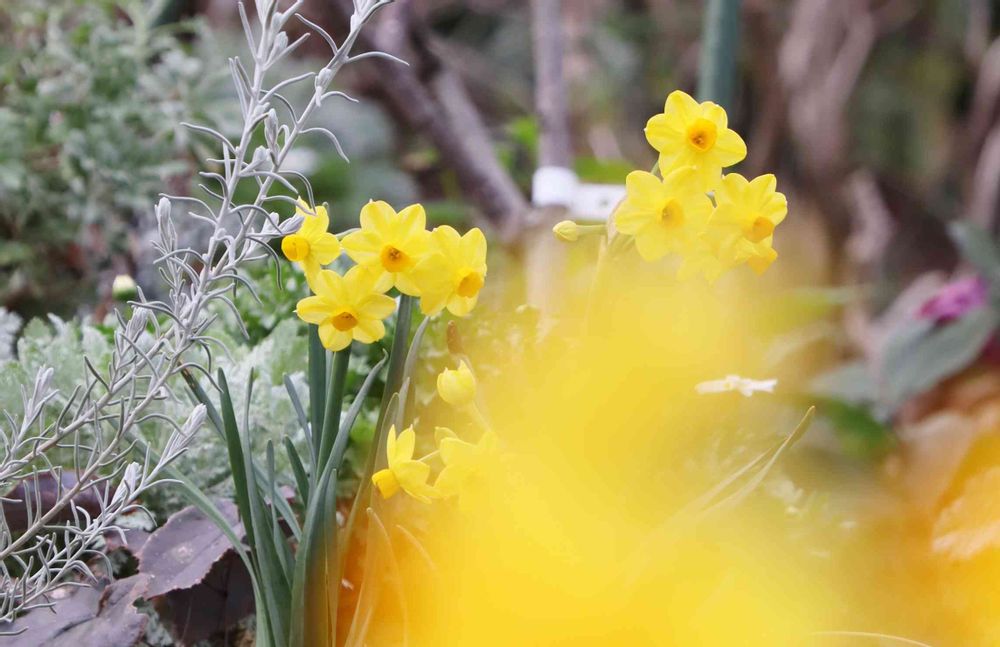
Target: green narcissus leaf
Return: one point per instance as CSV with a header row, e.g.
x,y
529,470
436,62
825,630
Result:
x,y
979,249
851,382
922,354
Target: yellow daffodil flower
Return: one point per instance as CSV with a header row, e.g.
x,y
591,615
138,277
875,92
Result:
x,y
345,308
745,216
403,472
457,387
390,244
312,246
688,133
452,276
463,463
665,215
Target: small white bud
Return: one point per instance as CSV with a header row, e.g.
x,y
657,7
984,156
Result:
x,y
137,324
179,440
126,488
323,79
271,129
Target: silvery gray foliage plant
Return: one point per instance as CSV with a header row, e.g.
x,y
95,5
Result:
x,y
98,420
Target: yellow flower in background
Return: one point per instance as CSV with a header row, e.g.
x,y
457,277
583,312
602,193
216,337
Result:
x,y
457,387
463,462
452,276
346,308
665,215
390,244
688,133
745,217
312,246
403,472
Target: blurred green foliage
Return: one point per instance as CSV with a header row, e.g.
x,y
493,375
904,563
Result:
x,y
91,98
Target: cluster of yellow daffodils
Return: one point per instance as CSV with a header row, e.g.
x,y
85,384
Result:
x,y
464,463
444,269
673,213
712,221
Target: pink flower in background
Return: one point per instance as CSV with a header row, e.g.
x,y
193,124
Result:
x,y
955,299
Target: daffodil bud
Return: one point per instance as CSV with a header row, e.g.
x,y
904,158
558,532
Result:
x,y
567,231
570,232
123,288
457,387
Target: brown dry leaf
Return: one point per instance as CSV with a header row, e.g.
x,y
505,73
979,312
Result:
x,y
971,523
179,554
215,605
86,617
44,492
201,587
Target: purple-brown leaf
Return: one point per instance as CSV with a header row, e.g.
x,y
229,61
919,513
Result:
x,y
85,617
181,553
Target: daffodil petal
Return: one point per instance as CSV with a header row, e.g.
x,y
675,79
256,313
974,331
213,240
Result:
x,y
332,338
730,147
474,248
683,105
412,220
390,445
432,303
367,331
377,215
664,133
405,443
716,114
461,306
314,309
363,247
325,248
654,243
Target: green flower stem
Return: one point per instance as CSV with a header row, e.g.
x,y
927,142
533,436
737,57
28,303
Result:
x,y
719,43
397,356
334,404
393,382
317,394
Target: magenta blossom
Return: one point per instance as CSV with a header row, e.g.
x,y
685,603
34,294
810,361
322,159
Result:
x,y
955,299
